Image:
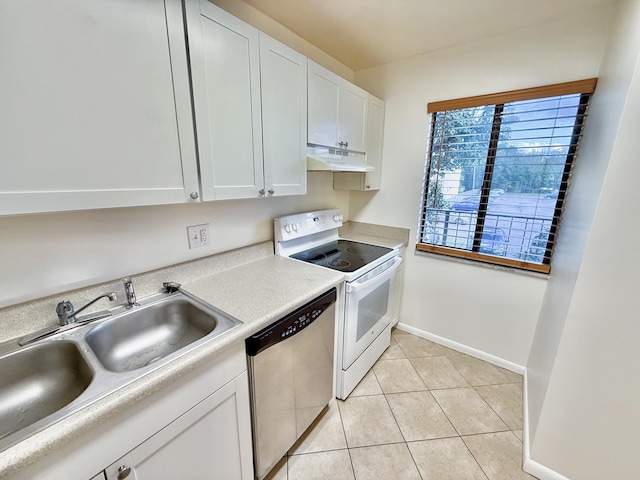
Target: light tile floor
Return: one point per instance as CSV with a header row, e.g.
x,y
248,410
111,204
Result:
x,y
424,412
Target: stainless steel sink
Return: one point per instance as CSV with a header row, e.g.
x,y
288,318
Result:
x,y
144,335
39,380
46,381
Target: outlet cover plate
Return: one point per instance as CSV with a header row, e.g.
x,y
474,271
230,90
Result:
x,y
199,235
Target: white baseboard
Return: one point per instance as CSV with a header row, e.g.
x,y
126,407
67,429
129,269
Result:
x,y
540,471
487,357
530,466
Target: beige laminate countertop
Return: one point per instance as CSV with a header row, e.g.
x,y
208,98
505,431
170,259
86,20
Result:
x,y
257,293
381,241
261,292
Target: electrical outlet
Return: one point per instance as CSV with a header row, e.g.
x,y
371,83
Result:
x,y
199,235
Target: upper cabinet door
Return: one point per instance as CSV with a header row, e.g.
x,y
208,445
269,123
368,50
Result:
x,y
95,106
353,117
375,133
324,106
283,74
337,111
225,71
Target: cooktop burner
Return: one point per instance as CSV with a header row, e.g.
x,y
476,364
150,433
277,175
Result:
x,y
343,255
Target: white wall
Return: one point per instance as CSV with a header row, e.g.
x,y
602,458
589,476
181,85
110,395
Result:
x,y
46,254
487,309
255,17
601,129
589,418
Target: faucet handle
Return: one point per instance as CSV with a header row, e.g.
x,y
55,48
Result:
x,y
64,310
130,293
171,287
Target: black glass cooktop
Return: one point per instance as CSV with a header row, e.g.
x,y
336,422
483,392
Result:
x,y
343,255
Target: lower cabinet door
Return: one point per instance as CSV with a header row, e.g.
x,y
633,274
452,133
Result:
x,y
210,441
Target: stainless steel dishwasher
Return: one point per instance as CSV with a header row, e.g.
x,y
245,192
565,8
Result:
x,y
291,378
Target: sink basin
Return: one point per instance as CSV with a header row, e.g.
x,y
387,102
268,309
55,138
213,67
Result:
x,y
39,380
149,333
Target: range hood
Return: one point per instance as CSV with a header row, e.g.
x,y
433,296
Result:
x,y
335,160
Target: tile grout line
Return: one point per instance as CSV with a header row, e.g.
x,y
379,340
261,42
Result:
x,y
346,440
396,420
493,409
434,398
405,442
474,457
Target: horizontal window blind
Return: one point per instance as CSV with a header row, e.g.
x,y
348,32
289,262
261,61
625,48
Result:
x,y
497,174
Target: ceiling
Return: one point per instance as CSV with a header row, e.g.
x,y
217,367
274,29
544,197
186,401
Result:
x,y
366,33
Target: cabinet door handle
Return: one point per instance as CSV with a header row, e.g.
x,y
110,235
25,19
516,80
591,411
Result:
x,y
346,144
271,191
123,472
261,191
194,195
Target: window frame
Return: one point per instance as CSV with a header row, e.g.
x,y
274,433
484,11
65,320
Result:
x,y
584,88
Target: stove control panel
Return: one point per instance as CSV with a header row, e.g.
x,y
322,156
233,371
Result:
x,y
300,225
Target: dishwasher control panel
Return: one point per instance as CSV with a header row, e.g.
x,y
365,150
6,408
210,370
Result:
x,y
291,324
302,321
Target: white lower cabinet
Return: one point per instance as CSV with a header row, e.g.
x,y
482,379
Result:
x,y
207,442
198,426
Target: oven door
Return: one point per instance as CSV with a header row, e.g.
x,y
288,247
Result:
x,y
367,309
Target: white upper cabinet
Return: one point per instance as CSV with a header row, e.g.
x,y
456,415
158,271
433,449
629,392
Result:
x,y
337,111
375,132
96,108
249,95
353,117
324,106
226,93
283,74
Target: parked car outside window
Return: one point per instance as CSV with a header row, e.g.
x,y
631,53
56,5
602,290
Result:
x,y
493,242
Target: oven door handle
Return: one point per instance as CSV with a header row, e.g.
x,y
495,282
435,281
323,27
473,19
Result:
x,y
355,287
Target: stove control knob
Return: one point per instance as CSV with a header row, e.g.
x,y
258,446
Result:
x,y
337,218
287,228
294,227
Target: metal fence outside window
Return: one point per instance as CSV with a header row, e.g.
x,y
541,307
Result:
x,y
511,236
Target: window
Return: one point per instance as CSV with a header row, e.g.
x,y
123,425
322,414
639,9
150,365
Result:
x,y
498,168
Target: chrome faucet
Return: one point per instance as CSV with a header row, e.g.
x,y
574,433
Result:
x,y
130,292
68,320
67,314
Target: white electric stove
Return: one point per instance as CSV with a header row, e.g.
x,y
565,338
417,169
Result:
x,y
365,312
